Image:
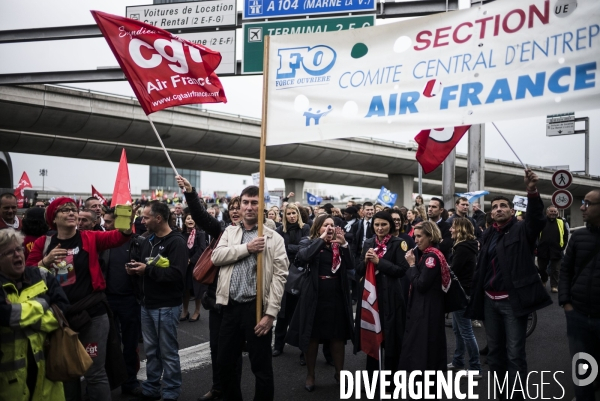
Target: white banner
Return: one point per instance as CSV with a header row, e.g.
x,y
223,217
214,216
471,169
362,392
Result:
x,y
505,60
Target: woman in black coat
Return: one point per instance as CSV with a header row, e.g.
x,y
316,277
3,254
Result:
x,y
292,230
390,266
424,343
324,311
464,261
196,243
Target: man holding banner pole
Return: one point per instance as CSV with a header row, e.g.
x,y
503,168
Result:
x,y
241,291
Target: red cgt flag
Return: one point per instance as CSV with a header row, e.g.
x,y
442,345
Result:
x,y
371,335
98,196
436,144
163,69
24,182
122,191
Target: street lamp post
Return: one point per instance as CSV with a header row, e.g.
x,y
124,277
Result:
x,y
43,173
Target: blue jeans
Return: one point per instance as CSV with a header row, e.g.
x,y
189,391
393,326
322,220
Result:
x,y
506,342
463,331
583,333
159,329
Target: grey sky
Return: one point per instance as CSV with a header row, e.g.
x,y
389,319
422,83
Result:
x,y
527,136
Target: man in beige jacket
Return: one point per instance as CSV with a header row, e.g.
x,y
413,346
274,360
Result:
x,y
236,292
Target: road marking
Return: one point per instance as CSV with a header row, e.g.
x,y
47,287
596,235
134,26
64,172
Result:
x,y
194,357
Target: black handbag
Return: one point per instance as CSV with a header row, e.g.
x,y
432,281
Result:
x,y
292,284
456,298
296,277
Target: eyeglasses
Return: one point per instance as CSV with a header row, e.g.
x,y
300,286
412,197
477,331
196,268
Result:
x,y
10,252
397,220
587,203
67,210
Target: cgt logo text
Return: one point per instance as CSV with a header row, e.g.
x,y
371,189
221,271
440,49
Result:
x,y
304,66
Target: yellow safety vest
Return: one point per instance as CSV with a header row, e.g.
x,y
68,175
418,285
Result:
x,y
561,231
30,324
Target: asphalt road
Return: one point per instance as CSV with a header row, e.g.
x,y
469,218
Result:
x,y
547,350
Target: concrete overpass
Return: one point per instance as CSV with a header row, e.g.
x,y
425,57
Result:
x,y
67,122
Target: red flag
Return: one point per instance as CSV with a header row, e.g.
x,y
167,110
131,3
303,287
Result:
x,y
435,145
163,69
122,191
371,335
24,182
98,196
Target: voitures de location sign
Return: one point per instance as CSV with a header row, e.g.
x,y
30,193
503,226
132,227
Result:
x,y
186,15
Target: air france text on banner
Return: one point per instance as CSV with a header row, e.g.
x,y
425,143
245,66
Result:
x,y
163,69
504,60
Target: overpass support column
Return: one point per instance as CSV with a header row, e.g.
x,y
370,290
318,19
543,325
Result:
x,y
448,180
297,187
403,186
6,173
476,160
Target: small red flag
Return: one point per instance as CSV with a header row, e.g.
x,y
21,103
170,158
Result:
x,y
98,196
163,69
24,182
436,144
371,335
122,191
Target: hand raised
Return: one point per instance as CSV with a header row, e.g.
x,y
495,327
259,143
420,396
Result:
x,y
183,183
328,233
339,236
531,180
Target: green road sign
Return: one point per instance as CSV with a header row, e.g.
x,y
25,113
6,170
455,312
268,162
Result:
x,y
252,60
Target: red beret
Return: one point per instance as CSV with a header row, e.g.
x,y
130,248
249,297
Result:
x,y
52,209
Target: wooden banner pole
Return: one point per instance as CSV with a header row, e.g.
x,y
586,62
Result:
x,y
261,185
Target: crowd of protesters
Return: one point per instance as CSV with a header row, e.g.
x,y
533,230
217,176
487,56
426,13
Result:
x,y
117,286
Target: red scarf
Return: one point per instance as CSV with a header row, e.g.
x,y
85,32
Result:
x,y
191,239
337,259
371,334
381,247
444,265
